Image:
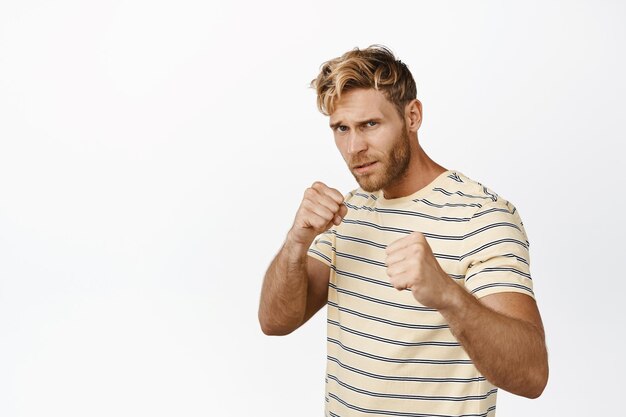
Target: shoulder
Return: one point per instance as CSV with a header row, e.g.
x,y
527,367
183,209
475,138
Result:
x,y
488,200
494,215
457,195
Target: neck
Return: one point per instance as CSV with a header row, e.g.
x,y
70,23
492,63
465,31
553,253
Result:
x,y
421,171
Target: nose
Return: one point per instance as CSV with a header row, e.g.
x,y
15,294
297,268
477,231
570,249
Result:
x,y
356,143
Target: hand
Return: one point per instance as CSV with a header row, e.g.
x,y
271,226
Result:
x,y
321,207
411,264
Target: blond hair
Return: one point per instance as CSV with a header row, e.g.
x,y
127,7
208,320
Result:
x,y
373,67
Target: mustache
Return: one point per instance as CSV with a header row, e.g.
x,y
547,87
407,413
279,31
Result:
x,y
360,161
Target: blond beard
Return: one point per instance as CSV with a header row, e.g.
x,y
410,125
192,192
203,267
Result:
x,y
395,165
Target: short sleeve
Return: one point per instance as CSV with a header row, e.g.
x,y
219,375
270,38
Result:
x,y
323,246
496,255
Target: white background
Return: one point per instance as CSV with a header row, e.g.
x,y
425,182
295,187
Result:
x,y
153,153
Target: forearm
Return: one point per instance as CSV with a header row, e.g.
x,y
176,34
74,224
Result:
x,y
284,293
509,352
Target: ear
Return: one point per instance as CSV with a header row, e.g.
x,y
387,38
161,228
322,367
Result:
x,y
413,115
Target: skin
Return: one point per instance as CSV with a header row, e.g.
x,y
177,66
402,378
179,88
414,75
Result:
x,y
502,333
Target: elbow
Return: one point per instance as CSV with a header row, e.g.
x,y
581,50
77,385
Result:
x,y
529,383
539,382
535,392
272,328
542,383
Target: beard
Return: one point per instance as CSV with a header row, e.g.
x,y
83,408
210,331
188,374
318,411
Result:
x,y
394,165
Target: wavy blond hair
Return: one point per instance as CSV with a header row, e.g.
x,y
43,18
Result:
x,y
373,67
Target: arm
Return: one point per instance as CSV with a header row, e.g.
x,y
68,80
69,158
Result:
x,y
294,289
504,336
296,286
502,333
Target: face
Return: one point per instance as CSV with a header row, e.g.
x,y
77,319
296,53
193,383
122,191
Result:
x,y
372,138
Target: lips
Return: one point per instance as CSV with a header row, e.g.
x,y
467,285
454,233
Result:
x,y
362,165
362,168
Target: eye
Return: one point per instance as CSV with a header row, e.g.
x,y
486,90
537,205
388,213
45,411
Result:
x,y
342,128
371,123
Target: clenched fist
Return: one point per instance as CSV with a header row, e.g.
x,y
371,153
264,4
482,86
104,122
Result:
x,y
411,264
321,207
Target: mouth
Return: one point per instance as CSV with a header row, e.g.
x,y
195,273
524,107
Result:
x,y
364,167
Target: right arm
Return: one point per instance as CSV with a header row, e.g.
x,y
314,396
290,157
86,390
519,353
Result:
x,y
295,285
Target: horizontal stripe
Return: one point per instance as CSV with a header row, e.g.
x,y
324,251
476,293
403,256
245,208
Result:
x,y
409,231
491,210
361,277
459,205
437,255
499,269
366,196
422,215
401,413
386,321
384,265
378,300
399,360
390,341
320,254
405,378
361,259
459,193
407,213
359,240
320,241
495,285
377,227
490,226
411,397
494,243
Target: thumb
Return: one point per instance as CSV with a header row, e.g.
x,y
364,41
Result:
x,y
343,210
419,237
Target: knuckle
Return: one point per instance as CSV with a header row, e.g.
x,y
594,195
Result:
x,y
317,222
318,185
305,207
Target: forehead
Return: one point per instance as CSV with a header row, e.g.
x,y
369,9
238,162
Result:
x,y
361,105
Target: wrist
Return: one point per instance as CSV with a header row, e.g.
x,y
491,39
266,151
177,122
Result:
x,y
295,244
458,302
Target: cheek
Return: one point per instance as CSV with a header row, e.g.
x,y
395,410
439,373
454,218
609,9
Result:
x,y
383,138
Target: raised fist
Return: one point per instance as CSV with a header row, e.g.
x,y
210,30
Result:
x,y
412,265
321,207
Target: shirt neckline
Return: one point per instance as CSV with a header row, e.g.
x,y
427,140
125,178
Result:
x,y
393,202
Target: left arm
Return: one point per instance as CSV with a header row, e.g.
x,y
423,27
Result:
x,y
502,333
504,336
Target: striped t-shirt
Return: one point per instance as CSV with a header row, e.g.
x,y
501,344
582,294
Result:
x,y
387,354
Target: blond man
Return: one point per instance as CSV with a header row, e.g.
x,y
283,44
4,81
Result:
x,y
424,272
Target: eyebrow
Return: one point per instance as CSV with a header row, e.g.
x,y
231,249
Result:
x,y
360,122
335,125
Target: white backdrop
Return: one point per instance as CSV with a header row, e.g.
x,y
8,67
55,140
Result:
x,y
153,153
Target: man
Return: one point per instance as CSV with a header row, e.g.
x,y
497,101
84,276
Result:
x,y
424,271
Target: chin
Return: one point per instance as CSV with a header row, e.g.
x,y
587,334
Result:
x,y
369,186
